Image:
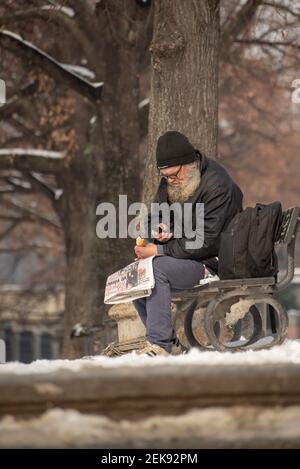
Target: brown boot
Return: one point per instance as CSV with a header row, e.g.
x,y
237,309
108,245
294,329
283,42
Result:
x,y
152,350
177,348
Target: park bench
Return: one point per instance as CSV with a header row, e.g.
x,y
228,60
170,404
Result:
x,y
230,315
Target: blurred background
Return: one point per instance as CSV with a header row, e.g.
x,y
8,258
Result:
x,y
91,141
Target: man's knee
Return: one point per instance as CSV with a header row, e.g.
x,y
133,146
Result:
x,y
161,266
159,263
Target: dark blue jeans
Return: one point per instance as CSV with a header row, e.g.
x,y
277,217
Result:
x,y
171,275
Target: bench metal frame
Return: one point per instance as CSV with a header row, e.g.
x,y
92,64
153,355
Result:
x,y
215,299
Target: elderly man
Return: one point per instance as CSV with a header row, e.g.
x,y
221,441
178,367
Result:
x,y
187,176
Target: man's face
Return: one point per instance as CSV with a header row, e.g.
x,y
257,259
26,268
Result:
x,y
182,181
176,174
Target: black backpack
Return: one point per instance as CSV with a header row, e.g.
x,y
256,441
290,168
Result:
x,y
247,243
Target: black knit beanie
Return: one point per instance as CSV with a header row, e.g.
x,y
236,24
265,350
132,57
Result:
x,y
173,149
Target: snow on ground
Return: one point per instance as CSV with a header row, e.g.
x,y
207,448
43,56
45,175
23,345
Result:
x,y
288,352
221,427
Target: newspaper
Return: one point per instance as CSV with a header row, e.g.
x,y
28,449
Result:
x,y
134,281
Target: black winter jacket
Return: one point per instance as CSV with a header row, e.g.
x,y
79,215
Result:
x,y
222,199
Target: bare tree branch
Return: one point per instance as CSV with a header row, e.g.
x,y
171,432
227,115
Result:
x,y
55,15
9,217
16,121
40,183
29,213
12,103
239,22
81,6
84,11
31,160
10,228
274,44
6,188
32,246
282,7
19,184
51,66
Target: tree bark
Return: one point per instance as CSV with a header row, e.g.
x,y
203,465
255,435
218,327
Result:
x,y
106,165
184,77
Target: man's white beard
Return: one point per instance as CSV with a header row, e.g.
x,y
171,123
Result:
x,y
186,189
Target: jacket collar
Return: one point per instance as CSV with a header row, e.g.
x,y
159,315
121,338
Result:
x,y
204,163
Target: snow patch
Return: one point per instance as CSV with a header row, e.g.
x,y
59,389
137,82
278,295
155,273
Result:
x,y
288,352
63,9
221,427
83,71
143,103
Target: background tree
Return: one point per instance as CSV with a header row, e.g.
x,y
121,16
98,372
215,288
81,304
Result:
x,y
98,130
184,77
99,134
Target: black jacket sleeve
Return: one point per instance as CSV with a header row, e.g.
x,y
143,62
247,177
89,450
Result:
x,y
217,207
159,197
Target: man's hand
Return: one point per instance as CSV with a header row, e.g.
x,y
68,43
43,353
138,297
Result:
x,y
162,236
147,251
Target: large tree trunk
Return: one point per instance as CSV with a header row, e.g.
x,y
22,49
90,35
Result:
x,y
184,81
107,165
